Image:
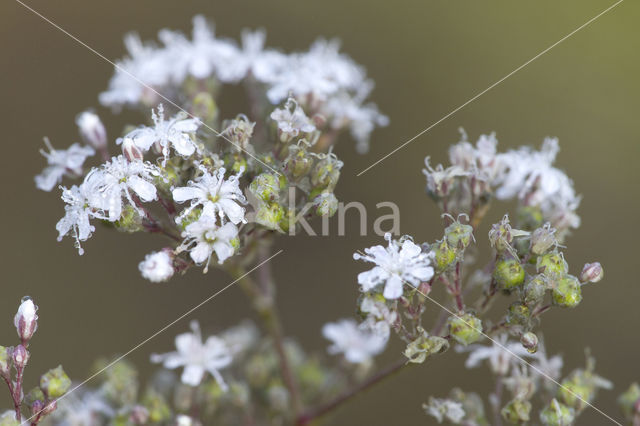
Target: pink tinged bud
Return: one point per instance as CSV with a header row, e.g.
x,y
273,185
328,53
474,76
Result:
x,y
26,320
37,407
91,129
131,151
20,357
592,272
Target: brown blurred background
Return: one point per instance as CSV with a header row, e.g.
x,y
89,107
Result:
x,y
426,58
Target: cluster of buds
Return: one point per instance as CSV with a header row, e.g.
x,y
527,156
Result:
x,y
41,400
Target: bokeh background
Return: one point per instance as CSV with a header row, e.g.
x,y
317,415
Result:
x,y
427,57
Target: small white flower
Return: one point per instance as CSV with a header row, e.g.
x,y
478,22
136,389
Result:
x,y
157,266
82,409
395,265
358,342
204,237
174,133
118,180
378,312
445,409
26,319
77,215
197,357
216,196
61,162
91,129
499,358
292,120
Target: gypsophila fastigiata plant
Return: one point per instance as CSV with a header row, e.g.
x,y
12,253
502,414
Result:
x,y
41,401
220,198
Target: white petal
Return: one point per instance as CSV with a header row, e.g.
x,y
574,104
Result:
x,y
192,375
393,288
183,194
145,190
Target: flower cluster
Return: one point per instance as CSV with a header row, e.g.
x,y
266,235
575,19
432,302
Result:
x,y
322,80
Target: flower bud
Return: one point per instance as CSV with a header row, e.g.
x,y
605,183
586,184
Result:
x,y
36,407
26,320
91,129
5,361
157,266
266,187
445,255
326,204
542,239
458,235
535,289
55,383
516,411
592,272
299,162
465,329
508,274
326,173
530,342
552,265
20,356
557,414
567,292
270,215
131,151
518,314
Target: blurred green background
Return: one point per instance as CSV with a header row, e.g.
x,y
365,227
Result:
x,y
426,57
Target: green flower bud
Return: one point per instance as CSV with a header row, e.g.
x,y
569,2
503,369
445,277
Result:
x,y
326,172
5,361
508,274
575,391
629,401
204,107
458,235
130,220
445,255
425,346
270,215
530,342
265,187
326,204
465,329
552,265
535,289
55,383
557,414
567,292
529,218
34,395
299,162
516,411
518,314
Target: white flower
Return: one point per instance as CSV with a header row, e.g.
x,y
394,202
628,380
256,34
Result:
x,y
82,409
26,319
91,129
204,237
358,343
378,312
292,120
175,133
217,196
61,162
482,160
120,179
395,265
157,266
546,367
499,358
197,357
77,215
445,409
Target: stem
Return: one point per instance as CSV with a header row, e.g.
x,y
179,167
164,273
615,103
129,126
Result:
x,y
497,418
262,296
17,393
458,288
320,411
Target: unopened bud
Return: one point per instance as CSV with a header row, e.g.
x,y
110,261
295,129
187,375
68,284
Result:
x,y
518,314
36,407
458,235
55,383
552,265
535,289
592,272
26,320
326,204
542,239
91,129
508,274
567,292
465,329
266,187
445,255
529,342
131,151
327,172
20,356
